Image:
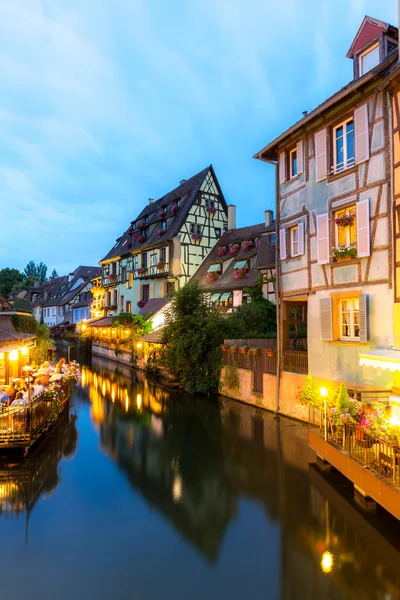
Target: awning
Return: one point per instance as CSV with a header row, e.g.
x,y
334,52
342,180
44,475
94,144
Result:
x,y
225,296
215,297
213,268
240,264
381,358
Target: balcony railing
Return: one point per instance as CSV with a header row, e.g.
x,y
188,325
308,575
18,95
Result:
x,y
295,361
153,271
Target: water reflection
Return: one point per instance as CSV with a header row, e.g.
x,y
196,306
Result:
x,y
195,461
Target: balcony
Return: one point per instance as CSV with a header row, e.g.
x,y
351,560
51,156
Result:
x,y
158,271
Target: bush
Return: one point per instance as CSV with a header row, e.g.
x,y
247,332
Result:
x,y
24,323
308,394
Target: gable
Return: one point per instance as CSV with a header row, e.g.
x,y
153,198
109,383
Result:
x,y
369,31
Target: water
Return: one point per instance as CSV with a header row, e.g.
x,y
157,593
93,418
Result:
x,y
145,494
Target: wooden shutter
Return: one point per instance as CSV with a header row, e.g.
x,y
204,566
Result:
x,y
282,168
326,319
363,228
300,245
300,161
320,155
361,133
323,239
282,243
363,316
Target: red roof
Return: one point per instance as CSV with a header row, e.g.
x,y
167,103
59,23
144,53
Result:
x,y
369,31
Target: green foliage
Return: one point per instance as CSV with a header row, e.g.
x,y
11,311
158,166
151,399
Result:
x,y
43,344
8,279
253,320
231,378
54,274
308,394
26,284
193,334
24,323
342,400
153,363
138,324
37,271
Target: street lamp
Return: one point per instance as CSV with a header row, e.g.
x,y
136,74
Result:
x,y
324,394
327,562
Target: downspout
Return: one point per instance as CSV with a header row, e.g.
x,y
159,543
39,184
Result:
x,y
277,283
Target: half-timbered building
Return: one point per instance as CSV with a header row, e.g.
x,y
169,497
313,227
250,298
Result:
x,y
334,214
165,245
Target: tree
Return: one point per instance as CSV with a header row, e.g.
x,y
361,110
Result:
x,y
26,284
193,334
254,319
136,326
43,344
8,279
37,271
30,269
54,274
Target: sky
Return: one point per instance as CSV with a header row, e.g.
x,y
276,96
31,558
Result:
x,y
106,103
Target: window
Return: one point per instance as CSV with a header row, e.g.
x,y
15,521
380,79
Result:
x,y
122,303
169,289
153,259
293,162
343,150
145,292
115,298
369,59
226,300
346,227
194,228
130,281
123,274
163,255
128,306
144,231
216,268
163,225
144,260
217,232
210,204
294,240
350,319
54,312
391,46
114,268
271,239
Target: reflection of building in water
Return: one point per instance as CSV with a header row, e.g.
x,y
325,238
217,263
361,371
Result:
x,y
22,483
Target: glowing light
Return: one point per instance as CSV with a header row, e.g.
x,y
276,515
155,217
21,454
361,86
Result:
x,y
113,394
13,355
126,403
324,392
83,327
327,562
24,350
177,488
139,401
83,377
394,420
139,345
103,388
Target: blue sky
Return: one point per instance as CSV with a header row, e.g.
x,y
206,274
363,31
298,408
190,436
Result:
x,y
105,104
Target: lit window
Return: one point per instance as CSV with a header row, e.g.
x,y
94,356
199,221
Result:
x,y
369,59
350,319
346,228
218,232
294,241
343,145
293,163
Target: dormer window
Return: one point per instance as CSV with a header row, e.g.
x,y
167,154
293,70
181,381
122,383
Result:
x,y
369,59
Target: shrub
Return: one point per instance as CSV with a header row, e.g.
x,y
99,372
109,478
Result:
x,y
308,394
24,323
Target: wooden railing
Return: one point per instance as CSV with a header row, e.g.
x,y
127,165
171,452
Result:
x,y
295,361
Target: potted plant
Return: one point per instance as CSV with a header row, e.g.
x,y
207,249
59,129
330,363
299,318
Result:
x,y
211,210
197,237
160,232
344,253
174,208
243,349
240,273
141,238
212,275
271,352
160,266
141,270
112,277
225,348
234,249
255,351
141,303
247,245
222,251
345,221
162,212
234,349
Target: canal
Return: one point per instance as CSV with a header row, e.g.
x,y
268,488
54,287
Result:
x,y
150,494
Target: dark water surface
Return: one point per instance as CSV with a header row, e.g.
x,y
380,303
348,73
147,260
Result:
x,y
146,494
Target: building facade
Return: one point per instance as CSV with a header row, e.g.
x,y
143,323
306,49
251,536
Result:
x,y
335,220
165,245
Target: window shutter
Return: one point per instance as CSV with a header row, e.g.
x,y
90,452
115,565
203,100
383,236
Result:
x,y
301,238
320,155
326,319
300,167
323,239
363,228
282,168
363,316
361,133
282,243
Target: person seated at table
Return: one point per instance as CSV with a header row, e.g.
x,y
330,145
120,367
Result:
x,y
36,390
62,365
4,398
41,380
11,390
19,400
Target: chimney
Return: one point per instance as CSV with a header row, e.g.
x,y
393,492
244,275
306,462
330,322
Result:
x,y
305,112
70,277
36,283
151,200
268,217
231,216
182,181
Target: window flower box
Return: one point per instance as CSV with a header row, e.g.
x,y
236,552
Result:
x,y
162,212
225,348
211,210
234,249
197,237
234,349
141,303
213,275
222,251
112,277
255,351
174,208
240,273
141,238
142,270
160,266
345,221
344,253
271,352
244,349
160,232
247,245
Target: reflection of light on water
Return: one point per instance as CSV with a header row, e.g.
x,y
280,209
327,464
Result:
x,y
327,562
126,403
103,388
113,394
177,488
83,377
139,401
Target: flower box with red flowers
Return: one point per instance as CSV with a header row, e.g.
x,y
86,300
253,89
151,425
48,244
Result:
x,y
160,266
247,245
345,221
174,208
270,352
142,270
160,232
141,238
234,249
211,210
240,273
112,277
213,275
141,303
162,212
243,349
197,237
222,251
